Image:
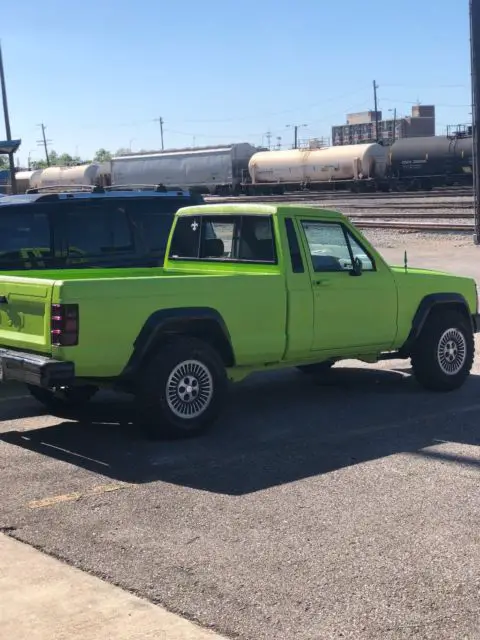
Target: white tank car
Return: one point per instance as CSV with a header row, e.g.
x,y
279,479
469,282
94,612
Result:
x,y
23,179
85,174
349,162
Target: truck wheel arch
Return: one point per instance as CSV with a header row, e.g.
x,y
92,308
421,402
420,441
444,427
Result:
x,y
430,304
203,323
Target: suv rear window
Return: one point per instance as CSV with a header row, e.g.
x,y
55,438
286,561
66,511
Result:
x,y
110,232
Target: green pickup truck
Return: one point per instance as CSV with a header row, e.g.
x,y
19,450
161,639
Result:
x,y
244,288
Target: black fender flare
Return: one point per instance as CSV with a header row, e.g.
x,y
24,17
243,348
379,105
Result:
x,y
427,305
169,322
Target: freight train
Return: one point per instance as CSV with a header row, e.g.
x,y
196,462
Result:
x,y
215,170
408,164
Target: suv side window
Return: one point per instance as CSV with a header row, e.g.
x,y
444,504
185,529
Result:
x,y
332,247
152,221
96,232
132,230
26,239
227,238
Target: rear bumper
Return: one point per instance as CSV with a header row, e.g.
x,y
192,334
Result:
x,y
39,371
476,322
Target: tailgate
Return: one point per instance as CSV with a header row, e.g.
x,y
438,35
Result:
x,y
25,309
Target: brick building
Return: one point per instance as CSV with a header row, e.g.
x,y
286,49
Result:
x,y
361,127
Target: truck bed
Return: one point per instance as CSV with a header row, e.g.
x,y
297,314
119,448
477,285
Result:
x,y
112,310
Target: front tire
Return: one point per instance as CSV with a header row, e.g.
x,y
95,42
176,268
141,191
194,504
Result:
x,y
183,389
443,354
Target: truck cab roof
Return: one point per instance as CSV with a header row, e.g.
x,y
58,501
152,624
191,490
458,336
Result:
x,y
279,210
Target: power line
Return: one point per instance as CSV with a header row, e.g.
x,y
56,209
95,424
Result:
x,y
259,116
437,104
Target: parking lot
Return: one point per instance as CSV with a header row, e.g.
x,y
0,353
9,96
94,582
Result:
x,y
346,508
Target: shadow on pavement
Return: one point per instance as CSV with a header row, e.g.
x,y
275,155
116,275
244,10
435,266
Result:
x,y
278,428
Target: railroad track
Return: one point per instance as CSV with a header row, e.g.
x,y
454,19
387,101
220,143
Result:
x,y
296,196
428,215
408,206
413,226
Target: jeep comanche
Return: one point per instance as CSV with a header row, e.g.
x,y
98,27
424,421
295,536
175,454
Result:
x,y
243,288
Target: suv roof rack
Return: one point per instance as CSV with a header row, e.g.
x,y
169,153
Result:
x,y
56,188
140,187
93,188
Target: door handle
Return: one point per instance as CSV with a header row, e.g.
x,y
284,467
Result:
x,y
321,283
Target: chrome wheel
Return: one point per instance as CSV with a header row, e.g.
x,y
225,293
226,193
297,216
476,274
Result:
x,y
452,351
189,389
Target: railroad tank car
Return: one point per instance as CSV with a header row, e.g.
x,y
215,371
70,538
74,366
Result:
x,y
23,179
431,161
216,170
307,167
464,154
84,174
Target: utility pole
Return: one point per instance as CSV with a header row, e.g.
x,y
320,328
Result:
x,y
160,122
44,142
375,87
268,136
296,127
394,126
475,68
11,161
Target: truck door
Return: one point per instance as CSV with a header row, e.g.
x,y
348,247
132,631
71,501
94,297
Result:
x,y
349,311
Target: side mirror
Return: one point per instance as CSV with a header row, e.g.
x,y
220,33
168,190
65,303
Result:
x,y
357,268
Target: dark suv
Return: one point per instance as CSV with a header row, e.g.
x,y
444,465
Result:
x,y
77,229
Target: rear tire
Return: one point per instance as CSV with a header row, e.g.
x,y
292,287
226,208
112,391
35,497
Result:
x,y
68,399
183,390
443,354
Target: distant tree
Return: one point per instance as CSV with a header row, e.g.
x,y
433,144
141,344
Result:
x,y
38,164
64,160
102,155
123,152
58,160
4,162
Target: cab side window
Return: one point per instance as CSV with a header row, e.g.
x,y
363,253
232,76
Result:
x,y
227,238
332,247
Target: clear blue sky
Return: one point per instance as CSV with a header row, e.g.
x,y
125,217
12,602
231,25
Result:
x,y
98,72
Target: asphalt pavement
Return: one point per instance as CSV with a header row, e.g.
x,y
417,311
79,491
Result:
x,y
342,510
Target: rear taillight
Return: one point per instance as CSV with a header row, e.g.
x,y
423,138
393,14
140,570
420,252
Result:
x,y
64,325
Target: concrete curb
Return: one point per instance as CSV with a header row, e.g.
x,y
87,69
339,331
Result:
x,y
44,598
